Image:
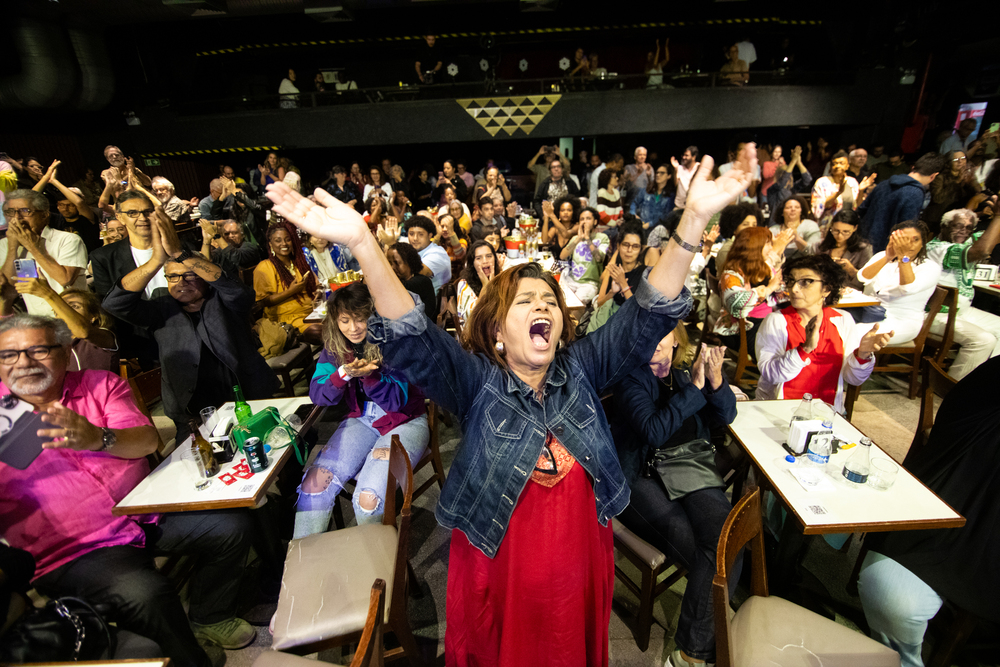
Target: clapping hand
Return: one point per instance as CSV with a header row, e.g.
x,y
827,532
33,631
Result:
x,y
617,274
512,210
51,171
706,198
867,182
548,210
710,361
360,368
329,218
903,246
873,341
812,334
388,234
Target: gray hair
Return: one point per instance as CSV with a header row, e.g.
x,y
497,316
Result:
x,y
36,200
857,151
637,149
958,213
60,330
109,147
129,195
159,180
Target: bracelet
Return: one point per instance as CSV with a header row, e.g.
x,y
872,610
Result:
x,y
684,244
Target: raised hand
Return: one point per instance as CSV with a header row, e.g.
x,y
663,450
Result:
x,y
698,372
34,286
706,198
712,358
329,218
674,163
548,210
72,431
873,341
711,236
867,182
512,210
51,171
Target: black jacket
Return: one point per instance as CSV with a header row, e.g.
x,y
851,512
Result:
x,y
110,264
223,328
542,193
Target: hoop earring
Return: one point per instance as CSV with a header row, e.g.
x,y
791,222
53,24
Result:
x,y
499,346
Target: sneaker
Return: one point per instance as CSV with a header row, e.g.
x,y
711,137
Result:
x,y
232,634
675,660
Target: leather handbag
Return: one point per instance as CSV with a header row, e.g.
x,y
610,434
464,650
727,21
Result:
x,y
687,468
65,629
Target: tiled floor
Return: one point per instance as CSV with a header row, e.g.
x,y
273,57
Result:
x,y
883,412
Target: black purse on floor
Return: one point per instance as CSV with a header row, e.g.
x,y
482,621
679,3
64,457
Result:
x,y
65,629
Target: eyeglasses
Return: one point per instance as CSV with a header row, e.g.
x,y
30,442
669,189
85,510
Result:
x,y
188,277
958,159
841,232
805,283
36,352
134,214
12,212
630,246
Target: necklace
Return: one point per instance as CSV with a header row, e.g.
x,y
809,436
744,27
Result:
x,y
669,382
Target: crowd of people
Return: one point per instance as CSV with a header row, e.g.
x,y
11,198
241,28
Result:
x,y
676,256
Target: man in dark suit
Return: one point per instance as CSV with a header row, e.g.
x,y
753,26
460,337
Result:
x,y
205,341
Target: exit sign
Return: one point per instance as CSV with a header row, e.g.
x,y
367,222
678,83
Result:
x,y
152,162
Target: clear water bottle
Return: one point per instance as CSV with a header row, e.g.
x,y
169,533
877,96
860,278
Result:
x,y
857,466
821,444
804,411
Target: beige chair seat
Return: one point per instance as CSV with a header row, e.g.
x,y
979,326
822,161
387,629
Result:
x,y
326,585
652,556
773,631
278,659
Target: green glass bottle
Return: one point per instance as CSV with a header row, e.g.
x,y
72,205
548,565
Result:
x,y
243,411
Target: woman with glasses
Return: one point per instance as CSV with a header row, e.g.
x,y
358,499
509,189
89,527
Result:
x,y
654,202
809,347
845,246
622,275
953,188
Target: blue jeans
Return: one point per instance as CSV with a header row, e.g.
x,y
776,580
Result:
x,y
686,530
358,451
898,605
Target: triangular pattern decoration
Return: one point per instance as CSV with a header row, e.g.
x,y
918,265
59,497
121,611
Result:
x,y
509,114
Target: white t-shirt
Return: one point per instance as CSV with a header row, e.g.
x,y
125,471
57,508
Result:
x,y
67,250
158,280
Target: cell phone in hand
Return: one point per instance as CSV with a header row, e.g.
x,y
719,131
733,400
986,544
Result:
x,y
994,127
25,268
20,443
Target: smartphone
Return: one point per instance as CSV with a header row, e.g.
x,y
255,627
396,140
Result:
x,y
25,268
20,444
994,127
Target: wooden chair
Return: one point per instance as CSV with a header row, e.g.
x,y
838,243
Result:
x,y
322,601
936,381
743,360
942,344
768,629
912,351
300,359
370,647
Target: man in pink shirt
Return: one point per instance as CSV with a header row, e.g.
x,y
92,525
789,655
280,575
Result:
x,y
59,507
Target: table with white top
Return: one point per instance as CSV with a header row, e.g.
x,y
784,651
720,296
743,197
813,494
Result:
x,y
836,505
171,487
852,298
988,286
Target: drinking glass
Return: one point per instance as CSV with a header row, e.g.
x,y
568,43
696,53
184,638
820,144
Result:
x,y
883,474
195,466
209,418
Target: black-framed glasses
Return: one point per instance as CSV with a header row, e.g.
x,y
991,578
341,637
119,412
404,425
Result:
x,y
36,352
134,214
12,212
805,283
631,246
188,277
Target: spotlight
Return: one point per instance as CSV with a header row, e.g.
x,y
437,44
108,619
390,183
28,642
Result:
x,y
564,64
523,65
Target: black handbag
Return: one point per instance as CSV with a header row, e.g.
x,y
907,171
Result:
x,y
686,468
65,629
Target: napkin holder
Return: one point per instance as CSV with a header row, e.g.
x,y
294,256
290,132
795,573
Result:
x,y
800,433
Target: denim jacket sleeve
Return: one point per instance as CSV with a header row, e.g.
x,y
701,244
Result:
x,y
429,358
629,338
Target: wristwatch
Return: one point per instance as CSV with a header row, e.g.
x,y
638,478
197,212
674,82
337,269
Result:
x,y
108,439
904,259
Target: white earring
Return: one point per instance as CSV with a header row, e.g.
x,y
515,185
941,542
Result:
x,y
499,346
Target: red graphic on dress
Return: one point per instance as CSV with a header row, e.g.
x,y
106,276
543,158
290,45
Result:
x,y
554,463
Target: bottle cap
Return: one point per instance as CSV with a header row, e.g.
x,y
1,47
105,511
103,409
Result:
x,y
789,458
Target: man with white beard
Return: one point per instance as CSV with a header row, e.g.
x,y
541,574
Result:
x,y
176,208
58,508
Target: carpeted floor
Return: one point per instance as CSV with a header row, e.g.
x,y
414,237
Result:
x,y
883,412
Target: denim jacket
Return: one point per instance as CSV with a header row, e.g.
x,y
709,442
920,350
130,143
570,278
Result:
x,y
503,423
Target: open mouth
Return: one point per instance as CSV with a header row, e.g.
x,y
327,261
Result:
x,y
539,332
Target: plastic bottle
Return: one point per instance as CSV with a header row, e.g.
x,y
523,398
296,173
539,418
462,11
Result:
x,y
242,410
857,466
821,444
804,411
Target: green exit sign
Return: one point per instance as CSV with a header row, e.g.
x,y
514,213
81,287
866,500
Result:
x,y
152,162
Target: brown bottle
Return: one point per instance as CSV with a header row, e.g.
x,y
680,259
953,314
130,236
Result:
x,y
204,447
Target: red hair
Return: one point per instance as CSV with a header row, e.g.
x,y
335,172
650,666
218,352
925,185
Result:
x,y
746,257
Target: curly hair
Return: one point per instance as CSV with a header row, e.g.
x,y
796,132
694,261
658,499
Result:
x,y
746,257
572,201
734,214
832,274
469,273
355,301
298,259
778,216
409,255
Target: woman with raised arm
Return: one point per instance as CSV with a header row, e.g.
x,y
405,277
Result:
x,y
536,480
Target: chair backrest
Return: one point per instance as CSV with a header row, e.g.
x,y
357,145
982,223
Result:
x,y
936,381
370,646
401,473
951,302
933,308
743,525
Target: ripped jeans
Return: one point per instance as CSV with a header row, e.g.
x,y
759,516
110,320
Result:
x,y
355,451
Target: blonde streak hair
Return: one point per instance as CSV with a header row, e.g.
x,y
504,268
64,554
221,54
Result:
x,y
337,345
685,351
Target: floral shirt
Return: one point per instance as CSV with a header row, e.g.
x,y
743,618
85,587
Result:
x,y
824,188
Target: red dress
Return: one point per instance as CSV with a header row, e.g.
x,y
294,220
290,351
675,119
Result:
x,y
545,599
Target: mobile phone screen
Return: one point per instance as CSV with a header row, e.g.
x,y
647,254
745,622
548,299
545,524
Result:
x,y
25,268
994,127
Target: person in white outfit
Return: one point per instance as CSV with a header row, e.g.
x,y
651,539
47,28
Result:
x,y
902,279
809,347
957,250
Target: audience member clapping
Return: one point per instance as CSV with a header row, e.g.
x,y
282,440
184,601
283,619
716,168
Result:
x,y
451,236
793,217
586,252
176,208
902,279
809,347
224,242
652,203
381,404
832,193
494,184
621,277
284,284
77,217
845,245
560,222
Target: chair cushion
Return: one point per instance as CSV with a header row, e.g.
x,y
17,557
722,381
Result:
x,y
649,554
327,583
773,631
278,659
294,358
